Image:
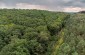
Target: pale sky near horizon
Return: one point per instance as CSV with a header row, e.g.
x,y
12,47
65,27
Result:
x,y
52,5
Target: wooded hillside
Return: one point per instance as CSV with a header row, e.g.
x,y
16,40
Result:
x,y
40,32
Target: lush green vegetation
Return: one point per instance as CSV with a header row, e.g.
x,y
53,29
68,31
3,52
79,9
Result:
x,y
36,32
74,36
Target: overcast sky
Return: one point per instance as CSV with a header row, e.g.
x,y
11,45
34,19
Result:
x,y
53,5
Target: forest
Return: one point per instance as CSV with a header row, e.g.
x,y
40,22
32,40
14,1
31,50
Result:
x,y
41,32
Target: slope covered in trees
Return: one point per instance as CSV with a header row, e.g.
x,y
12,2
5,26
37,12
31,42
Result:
x,y
72,37
36,32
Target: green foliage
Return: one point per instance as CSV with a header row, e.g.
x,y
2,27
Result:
x,y
74,36
40,32
28,32
16,47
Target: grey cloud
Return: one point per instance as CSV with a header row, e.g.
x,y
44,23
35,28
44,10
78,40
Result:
x,y
52,4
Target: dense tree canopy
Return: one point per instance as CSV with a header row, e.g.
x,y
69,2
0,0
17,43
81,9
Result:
x,y
40,32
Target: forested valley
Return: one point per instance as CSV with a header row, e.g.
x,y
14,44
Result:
x,y
41,32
